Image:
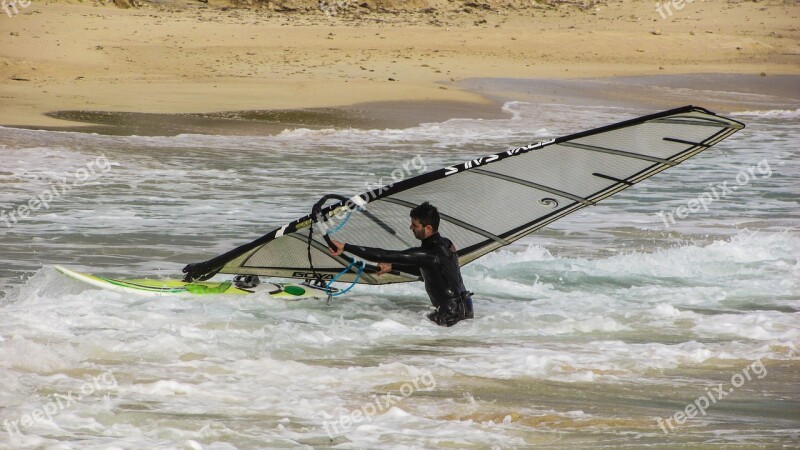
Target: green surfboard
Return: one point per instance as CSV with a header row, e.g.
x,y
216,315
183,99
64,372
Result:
x,y
146,286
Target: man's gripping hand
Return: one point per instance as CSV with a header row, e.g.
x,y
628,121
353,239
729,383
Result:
x,y
383,268
339,248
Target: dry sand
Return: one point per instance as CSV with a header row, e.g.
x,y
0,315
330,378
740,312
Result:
x,y
196,58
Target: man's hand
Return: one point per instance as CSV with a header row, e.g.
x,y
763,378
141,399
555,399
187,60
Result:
x,y
339,248
383,268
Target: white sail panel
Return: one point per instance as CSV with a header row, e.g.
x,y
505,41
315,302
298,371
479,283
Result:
x,y
488,202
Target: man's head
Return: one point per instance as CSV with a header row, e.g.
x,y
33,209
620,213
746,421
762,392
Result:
x,y
424,220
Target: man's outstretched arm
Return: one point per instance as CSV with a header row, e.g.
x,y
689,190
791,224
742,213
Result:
x,y
409,259
407,268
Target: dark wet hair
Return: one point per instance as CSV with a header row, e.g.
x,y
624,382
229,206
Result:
x,y
426,214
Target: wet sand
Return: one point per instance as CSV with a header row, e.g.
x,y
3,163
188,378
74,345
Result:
x,y
718,92
375,115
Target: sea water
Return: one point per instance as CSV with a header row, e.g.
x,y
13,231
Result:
x,y
612,327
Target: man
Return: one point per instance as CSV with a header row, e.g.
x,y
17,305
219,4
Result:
x,y
435,260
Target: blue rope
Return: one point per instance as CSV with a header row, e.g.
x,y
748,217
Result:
x,y
341,224
346,269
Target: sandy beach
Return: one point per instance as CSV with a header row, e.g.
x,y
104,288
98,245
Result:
x,y
200,58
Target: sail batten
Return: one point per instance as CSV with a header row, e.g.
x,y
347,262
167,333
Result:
x,y
612,151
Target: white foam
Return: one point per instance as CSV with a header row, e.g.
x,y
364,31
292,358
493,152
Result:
x,y
763,326
505,257
389,325
776,113
23,354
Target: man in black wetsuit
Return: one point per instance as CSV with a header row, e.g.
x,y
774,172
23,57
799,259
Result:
x,y
435,260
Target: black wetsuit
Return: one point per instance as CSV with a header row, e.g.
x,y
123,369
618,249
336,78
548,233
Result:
x,y
437,262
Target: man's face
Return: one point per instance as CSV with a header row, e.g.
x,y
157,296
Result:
x,y
420,232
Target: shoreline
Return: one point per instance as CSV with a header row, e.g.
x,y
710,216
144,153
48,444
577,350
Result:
x,y
372,115
740,92
193,66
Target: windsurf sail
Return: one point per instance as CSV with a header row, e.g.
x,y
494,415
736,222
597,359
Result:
x,y
485,203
